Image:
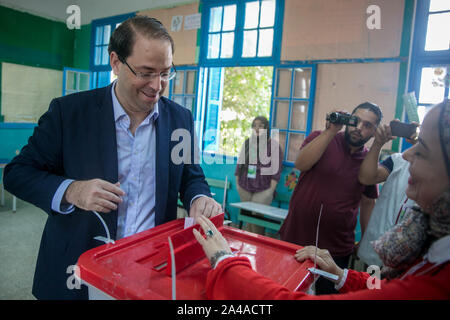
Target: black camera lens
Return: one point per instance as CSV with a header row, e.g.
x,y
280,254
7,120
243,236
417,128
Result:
x,y
341,118
334,117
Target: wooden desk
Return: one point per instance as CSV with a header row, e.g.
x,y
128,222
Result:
x,y
273,217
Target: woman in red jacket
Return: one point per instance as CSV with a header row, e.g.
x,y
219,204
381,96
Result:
x,y
416,252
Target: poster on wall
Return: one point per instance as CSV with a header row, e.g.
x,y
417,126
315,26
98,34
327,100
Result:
x,y
193,21
177,21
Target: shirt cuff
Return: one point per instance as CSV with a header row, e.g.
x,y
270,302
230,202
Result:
x,y
197,196
57,198
226,256
342,282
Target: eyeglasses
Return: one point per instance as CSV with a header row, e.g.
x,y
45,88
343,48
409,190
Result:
x,y
148,76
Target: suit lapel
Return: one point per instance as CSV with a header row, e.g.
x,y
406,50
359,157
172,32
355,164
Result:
x,y
162,162
107,138
107,143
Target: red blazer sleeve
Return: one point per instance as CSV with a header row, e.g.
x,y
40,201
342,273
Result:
x,y
355,281
234,279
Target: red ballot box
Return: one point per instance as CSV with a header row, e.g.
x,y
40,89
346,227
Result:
x,y
140,266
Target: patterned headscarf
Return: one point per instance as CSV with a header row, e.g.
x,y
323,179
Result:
x,y
399,247
444,133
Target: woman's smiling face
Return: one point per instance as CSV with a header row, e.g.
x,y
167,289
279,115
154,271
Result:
x,y
428,174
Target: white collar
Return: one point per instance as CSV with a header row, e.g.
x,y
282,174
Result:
x,y
439,251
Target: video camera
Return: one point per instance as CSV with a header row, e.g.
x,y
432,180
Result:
x,y
342,118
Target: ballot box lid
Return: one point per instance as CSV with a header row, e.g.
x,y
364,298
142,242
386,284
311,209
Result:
x,y
136,267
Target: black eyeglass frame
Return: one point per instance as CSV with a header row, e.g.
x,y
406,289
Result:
x,y
143,75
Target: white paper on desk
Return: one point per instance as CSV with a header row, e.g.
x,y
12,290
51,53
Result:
x,y
188,222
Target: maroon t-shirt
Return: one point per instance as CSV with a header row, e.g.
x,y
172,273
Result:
x,y
333,182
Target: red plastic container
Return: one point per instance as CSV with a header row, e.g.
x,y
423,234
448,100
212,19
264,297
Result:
x,y
139,266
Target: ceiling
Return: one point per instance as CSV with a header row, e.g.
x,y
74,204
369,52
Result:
x,y
90,9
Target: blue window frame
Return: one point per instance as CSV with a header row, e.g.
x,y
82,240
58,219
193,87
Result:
x,y
99,61
430,61
292,107
211,94
183,88
75,80
241,33
248,33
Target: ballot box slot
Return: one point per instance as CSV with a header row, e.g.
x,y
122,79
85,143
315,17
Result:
x,y
156,259
136,240
187,250
160,267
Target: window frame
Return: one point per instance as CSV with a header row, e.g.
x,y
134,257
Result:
x,y
420,58
65,91
172,95
202,109
292,100
102,72
420,33
237,60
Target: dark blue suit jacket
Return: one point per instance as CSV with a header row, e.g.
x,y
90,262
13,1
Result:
x,y
76,139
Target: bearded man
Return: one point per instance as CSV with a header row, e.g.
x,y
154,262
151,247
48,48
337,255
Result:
x,y
328,186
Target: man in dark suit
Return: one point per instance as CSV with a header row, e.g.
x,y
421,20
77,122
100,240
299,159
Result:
x,y
109,150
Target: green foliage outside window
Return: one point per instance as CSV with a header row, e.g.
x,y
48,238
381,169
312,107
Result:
x,y
246,95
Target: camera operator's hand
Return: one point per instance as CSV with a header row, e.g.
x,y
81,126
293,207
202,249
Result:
x,y
382,135
334,128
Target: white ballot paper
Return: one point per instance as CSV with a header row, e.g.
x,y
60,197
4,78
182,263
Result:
x,y
188,222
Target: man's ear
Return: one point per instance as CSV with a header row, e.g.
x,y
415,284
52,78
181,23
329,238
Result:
x,y
114,62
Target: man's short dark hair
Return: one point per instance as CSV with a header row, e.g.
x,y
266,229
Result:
x,y
372,107
124,36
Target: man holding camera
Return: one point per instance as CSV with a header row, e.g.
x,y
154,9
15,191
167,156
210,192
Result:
x,y
328,187
393,172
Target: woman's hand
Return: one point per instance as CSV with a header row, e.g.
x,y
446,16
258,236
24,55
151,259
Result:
x,y
214,245
323,260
